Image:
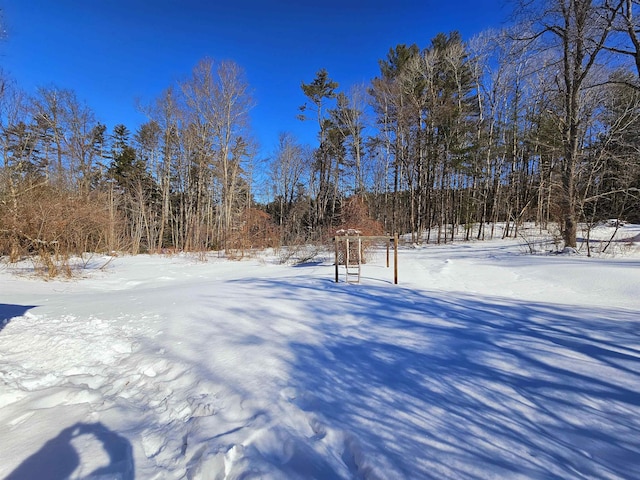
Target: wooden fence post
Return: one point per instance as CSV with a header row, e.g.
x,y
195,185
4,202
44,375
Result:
x,y
395,258
388,241
335,239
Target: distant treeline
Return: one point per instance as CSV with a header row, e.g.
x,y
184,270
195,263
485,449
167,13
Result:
x,y
538,122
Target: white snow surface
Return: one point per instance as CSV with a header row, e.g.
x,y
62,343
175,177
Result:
x,y
482,363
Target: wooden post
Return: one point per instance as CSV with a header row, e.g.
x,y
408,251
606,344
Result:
x,y
395,258
335,239
388,241
346,260
359,258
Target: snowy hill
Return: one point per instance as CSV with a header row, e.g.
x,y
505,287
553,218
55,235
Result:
x,y
482,363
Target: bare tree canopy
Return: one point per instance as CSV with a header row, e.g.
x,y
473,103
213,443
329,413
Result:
x,y
536,122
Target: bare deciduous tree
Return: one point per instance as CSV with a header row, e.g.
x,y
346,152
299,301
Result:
x,y
577,30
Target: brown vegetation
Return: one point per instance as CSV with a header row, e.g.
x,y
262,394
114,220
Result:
x,y
54,224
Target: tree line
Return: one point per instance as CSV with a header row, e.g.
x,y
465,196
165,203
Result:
x,y
537,122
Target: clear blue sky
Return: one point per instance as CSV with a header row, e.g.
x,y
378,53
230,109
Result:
x,y
111,52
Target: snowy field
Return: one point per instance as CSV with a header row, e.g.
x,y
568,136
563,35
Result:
x,y
482,363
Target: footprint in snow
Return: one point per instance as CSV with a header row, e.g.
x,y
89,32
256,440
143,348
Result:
x,y
201,406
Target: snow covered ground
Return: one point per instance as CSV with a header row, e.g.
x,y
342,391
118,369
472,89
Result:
x,y
482,363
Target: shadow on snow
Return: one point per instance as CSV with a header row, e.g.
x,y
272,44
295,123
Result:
x,y
58,458
435,385
9,311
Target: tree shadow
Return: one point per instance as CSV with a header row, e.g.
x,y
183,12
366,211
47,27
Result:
x,y
442,385
9,311
58,458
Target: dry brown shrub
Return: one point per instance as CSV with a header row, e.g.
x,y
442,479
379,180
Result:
x,y
52,224
255,230
355,215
